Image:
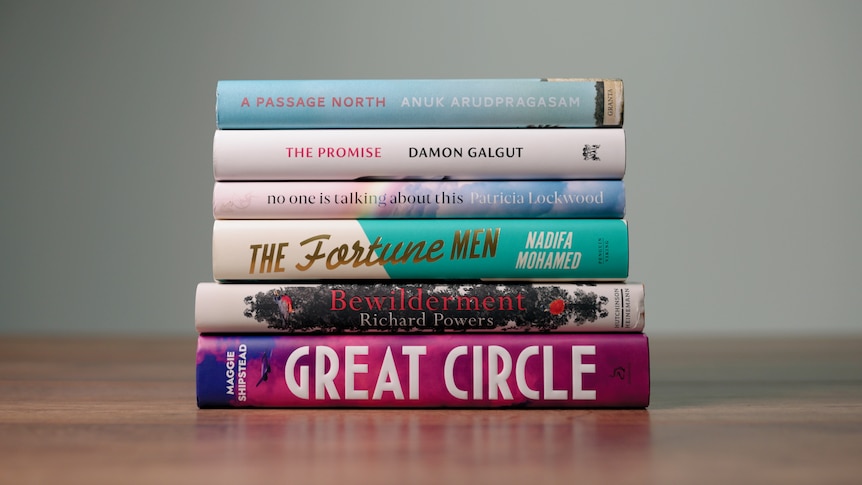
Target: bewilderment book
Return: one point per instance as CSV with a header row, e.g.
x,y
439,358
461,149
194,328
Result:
x,y
418,307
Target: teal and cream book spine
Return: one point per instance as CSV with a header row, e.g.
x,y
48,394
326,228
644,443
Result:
x,y
432,249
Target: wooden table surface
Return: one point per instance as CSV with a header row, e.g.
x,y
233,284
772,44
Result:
x,y
728,411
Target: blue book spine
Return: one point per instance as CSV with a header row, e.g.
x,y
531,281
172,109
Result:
x,y
434,249
415,103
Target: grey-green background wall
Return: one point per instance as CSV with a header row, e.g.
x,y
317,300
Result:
x,y
742,119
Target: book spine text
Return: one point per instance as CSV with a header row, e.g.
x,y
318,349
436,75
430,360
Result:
x,y
450,370
345,307
450,103
526,249
589,199
396,153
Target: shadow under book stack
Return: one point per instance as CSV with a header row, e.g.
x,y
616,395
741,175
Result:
x,y
420,243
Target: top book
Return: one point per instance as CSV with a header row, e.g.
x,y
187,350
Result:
x,y
419,103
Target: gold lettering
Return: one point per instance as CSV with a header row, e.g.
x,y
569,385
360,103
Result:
x,y
317,251
356,255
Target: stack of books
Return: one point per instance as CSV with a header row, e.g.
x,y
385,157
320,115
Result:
x,y
420,243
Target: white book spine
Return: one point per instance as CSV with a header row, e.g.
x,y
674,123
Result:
x,y
539,153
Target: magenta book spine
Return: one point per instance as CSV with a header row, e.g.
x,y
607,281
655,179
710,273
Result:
x,y
424,371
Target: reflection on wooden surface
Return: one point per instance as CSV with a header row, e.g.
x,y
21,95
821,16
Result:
x,y
122,411
502,445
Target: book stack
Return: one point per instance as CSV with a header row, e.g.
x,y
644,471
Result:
x,y
420,243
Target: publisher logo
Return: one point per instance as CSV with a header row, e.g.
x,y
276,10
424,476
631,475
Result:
x,y
591,152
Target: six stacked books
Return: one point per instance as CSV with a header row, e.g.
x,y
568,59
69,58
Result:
x,y
420,243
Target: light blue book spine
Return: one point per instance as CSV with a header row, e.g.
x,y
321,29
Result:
x,y
414,103
381,249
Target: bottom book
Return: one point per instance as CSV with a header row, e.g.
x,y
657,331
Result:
x,y
424,371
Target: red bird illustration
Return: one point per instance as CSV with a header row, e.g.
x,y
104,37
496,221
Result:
x,y
285,306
